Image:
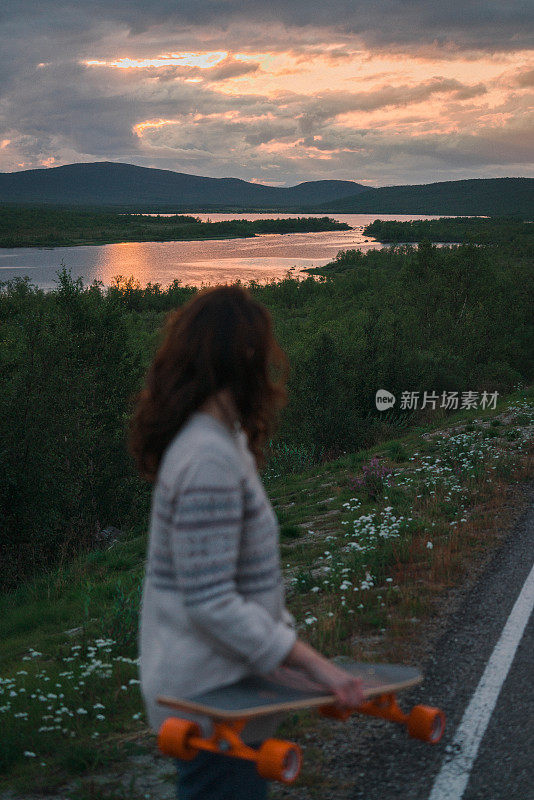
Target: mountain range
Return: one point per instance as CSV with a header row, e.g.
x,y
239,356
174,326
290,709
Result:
x,y
110,184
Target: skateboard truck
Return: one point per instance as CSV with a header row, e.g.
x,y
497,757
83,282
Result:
x,y
423,722
276,760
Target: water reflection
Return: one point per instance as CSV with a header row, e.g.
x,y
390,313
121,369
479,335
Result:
x,y
263,258
125,259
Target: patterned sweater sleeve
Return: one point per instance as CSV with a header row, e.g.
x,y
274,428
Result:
x,y
204,539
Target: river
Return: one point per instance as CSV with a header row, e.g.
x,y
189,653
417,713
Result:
x,y
262,258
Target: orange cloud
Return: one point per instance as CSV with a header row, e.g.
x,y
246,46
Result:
x,y
299,149
150,124
200,60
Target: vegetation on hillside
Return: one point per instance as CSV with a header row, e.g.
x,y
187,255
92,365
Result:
x,y
494,196
366,553
402,319
22,226
129,187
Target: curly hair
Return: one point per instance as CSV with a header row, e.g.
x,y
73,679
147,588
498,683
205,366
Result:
x,y
220,339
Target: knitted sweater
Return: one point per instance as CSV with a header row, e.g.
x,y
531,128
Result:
x,y
213,599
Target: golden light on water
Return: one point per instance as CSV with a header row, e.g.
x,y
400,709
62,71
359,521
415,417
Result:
x,y
124,260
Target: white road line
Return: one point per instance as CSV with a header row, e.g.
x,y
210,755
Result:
x,y
453,777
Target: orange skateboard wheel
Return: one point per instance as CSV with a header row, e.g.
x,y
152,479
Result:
x,y
279,761
426,723
174,738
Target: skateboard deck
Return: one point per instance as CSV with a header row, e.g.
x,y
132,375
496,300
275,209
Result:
x,y
231,707
255,696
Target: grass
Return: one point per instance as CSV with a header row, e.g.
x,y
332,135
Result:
x,y
361,571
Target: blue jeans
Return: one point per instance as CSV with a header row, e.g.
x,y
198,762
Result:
x,y
211,776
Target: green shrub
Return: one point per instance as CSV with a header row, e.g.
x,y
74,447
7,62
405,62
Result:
x,y
397,452
290,531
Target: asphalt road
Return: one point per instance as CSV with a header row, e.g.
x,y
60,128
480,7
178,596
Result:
x,y
391,765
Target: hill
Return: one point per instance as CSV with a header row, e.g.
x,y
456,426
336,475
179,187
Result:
x,y
110,184
486,196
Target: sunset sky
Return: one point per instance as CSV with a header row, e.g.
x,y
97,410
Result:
x,y
380,92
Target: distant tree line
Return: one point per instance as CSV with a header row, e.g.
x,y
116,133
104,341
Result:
x,y
479,230
22,226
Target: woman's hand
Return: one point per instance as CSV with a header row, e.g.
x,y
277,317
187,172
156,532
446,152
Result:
x,y
346,688
322,673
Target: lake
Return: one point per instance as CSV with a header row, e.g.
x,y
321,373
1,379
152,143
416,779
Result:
x,y
261,258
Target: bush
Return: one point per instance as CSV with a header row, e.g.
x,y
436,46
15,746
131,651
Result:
x,y
67,378
397,452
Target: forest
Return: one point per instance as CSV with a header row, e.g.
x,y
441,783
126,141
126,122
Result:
x,y
404,318
491,196
479,230
26,226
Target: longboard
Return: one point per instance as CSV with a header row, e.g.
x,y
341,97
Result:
x,y
231,707
255,697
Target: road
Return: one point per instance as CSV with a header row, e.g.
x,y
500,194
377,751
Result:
x,y
390,765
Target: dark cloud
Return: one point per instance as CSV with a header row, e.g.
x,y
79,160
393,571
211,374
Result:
x,y
65,111
491,147
491,25
231,68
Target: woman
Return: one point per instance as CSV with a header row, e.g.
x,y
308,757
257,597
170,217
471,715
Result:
x,y
213,600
